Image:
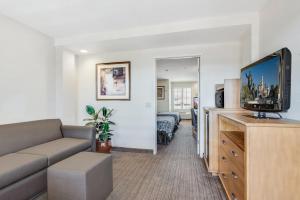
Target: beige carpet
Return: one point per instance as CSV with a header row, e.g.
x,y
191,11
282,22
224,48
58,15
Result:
x,y
176,172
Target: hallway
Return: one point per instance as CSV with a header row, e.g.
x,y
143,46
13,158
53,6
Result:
x,y
175,172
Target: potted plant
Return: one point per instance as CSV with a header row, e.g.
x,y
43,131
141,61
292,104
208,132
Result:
x,y
101,121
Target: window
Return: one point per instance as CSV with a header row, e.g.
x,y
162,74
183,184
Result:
x,y
182,98
177,98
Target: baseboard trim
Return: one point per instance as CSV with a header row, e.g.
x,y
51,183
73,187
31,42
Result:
x,y
132,150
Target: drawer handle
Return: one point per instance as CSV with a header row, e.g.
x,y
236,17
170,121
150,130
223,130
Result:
x,y
223,158
235,154
233,197
234,175
223,142
224,176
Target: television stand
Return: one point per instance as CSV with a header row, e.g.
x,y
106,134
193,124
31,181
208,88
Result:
x,y
255,155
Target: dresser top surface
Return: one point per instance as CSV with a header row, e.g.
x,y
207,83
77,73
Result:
x,y
224,109
248,120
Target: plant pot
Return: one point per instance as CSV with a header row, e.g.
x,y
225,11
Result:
x,y
103,147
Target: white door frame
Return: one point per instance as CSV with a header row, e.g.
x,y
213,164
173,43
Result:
x,y
198,117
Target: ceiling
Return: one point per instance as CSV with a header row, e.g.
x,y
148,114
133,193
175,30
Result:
x,y
65,18
202,36
178,69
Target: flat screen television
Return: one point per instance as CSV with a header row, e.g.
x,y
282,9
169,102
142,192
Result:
x,y
266,84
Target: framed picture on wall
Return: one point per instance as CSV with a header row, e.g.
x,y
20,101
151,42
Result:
x,y
113,81
160,92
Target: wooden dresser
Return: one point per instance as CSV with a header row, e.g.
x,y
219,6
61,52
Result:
x,y
259,159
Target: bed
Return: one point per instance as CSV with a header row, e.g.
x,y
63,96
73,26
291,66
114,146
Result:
x,y
176,116
166,126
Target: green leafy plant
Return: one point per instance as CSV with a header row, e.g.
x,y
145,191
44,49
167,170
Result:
x,y
101,121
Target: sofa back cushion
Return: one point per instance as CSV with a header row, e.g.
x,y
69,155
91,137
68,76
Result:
x,y
18,136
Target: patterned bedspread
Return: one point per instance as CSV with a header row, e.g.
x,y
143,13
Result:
x,y
176,115
166,124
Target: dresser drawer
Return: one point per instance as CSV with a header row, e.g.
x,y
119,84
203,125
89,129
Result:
x,y
233,185
233,152
224,162
234,195
235,188
224,170
229,165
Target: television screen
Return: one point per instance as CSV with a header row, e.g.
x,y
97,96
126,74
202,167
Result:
x,y
260,85
266,84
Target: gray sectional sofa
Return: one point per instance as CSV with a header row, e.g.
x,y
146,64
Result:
x,y
28,149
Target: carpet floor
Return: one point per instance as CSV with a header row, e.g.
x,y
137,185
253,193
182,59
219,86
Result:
x,y
175,173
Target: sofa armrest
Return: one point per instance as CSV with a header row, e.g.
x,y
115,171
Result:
x,y
80,132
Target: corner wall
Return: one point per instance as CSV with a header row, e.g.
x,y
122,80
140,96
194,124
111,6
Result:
x,y
27,73
66,86
246,48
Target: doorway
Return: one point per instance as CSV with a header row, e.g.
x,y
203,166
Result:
x,y
177,96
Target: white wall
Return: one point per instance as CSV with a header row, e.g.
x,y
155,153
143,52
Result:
x,y
66,86
135,119
246,49
178,69
27,73
163,105
280,27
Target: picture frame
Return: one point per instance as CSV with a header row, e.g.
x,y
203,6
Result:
x,y
113,81
161,92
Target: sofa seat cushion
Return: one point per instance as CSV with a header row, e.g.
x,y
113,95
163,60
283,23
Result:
x,y
14,167
58,150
